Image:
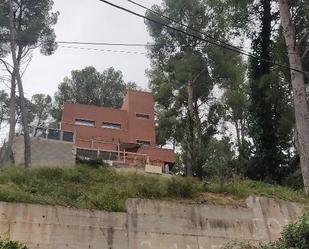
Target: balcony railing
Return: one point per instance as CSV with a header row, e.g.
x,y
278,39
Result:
x,y
52,134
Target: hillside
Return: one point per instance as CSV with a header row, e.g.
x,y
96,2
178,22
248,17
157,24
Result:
x,y
102,188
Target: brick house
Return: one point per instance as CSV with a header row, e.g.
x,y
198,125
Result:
x,y
126,135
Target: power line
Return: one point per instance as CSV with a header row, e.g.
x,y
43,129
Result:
x,y
89,43
195,30
106,44
130,44
103,50
184,25
201,38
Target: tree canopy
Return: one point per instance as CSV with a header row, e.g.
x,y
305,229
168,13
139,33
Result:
x,y
33,21
88,86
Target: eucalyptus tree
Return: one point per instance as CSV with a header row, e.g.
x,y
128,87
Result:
x,y
24,26
182,73
230,70
296,35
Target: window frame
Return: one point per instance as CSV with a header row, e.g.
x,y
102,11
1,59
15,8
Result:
x,y
113,126
84,122
143,116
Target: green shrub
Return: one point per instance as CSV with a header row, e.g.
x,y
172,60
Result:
x,y
184,187
294,236
239,245
7,244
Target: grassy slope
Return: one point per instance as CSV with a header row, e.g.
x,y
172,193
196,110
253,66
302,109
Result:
x,y
87,187
104,189
244,188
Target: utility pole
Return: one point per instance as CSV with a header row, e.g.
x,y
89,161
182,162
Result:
x,y
16,75
299,90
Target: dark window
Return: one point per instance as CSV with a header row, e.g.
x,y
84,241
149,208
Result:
x,y
143,142
84,122
68,136
111,125
108,156
53,134
142,115
91,154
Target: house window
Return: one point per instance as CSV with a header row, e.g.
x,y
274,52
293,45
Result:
x,y
89,154
108,156
111,125
143,142
142,115
84,122
68,136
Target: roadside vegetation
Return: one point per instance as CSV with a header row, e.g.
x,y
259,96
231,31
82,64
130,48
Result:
x,y
294,236
244,188
9,244
89,187
102,188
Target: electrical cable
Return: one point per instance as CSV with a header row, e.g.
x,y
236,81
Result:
x,y
201,38
195,30
126,44
184,25
103,50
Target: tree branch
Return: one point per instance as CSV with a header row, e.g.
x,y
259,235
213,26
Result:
x,y
27,65
7,65
305,53
303,38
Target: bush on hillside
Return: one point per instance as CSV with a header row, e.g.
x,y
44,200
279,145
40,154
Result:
x,y
294,236
239,245
8,244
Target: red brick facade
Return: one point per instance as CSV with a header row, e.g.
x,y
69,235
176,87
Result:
x,y
129,129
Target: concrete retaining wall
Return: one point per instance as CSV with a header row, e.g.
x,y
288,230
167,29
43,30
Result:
x,y
44,152
146,225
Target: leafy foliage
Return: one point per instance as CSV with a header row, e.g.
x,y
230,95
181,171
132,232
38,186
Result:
x,y
178,59
270,110
294,236
41,107
4,107
219,163
88,86
33,24
8,244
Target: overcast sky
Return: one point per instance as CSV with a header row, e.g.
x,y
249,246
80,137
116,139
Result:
x,y
91,21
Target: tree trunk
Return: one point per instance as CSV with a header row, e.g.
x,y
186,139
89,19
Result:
x,y
237,129
299,90
190,136
12,120
16,72
199,142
